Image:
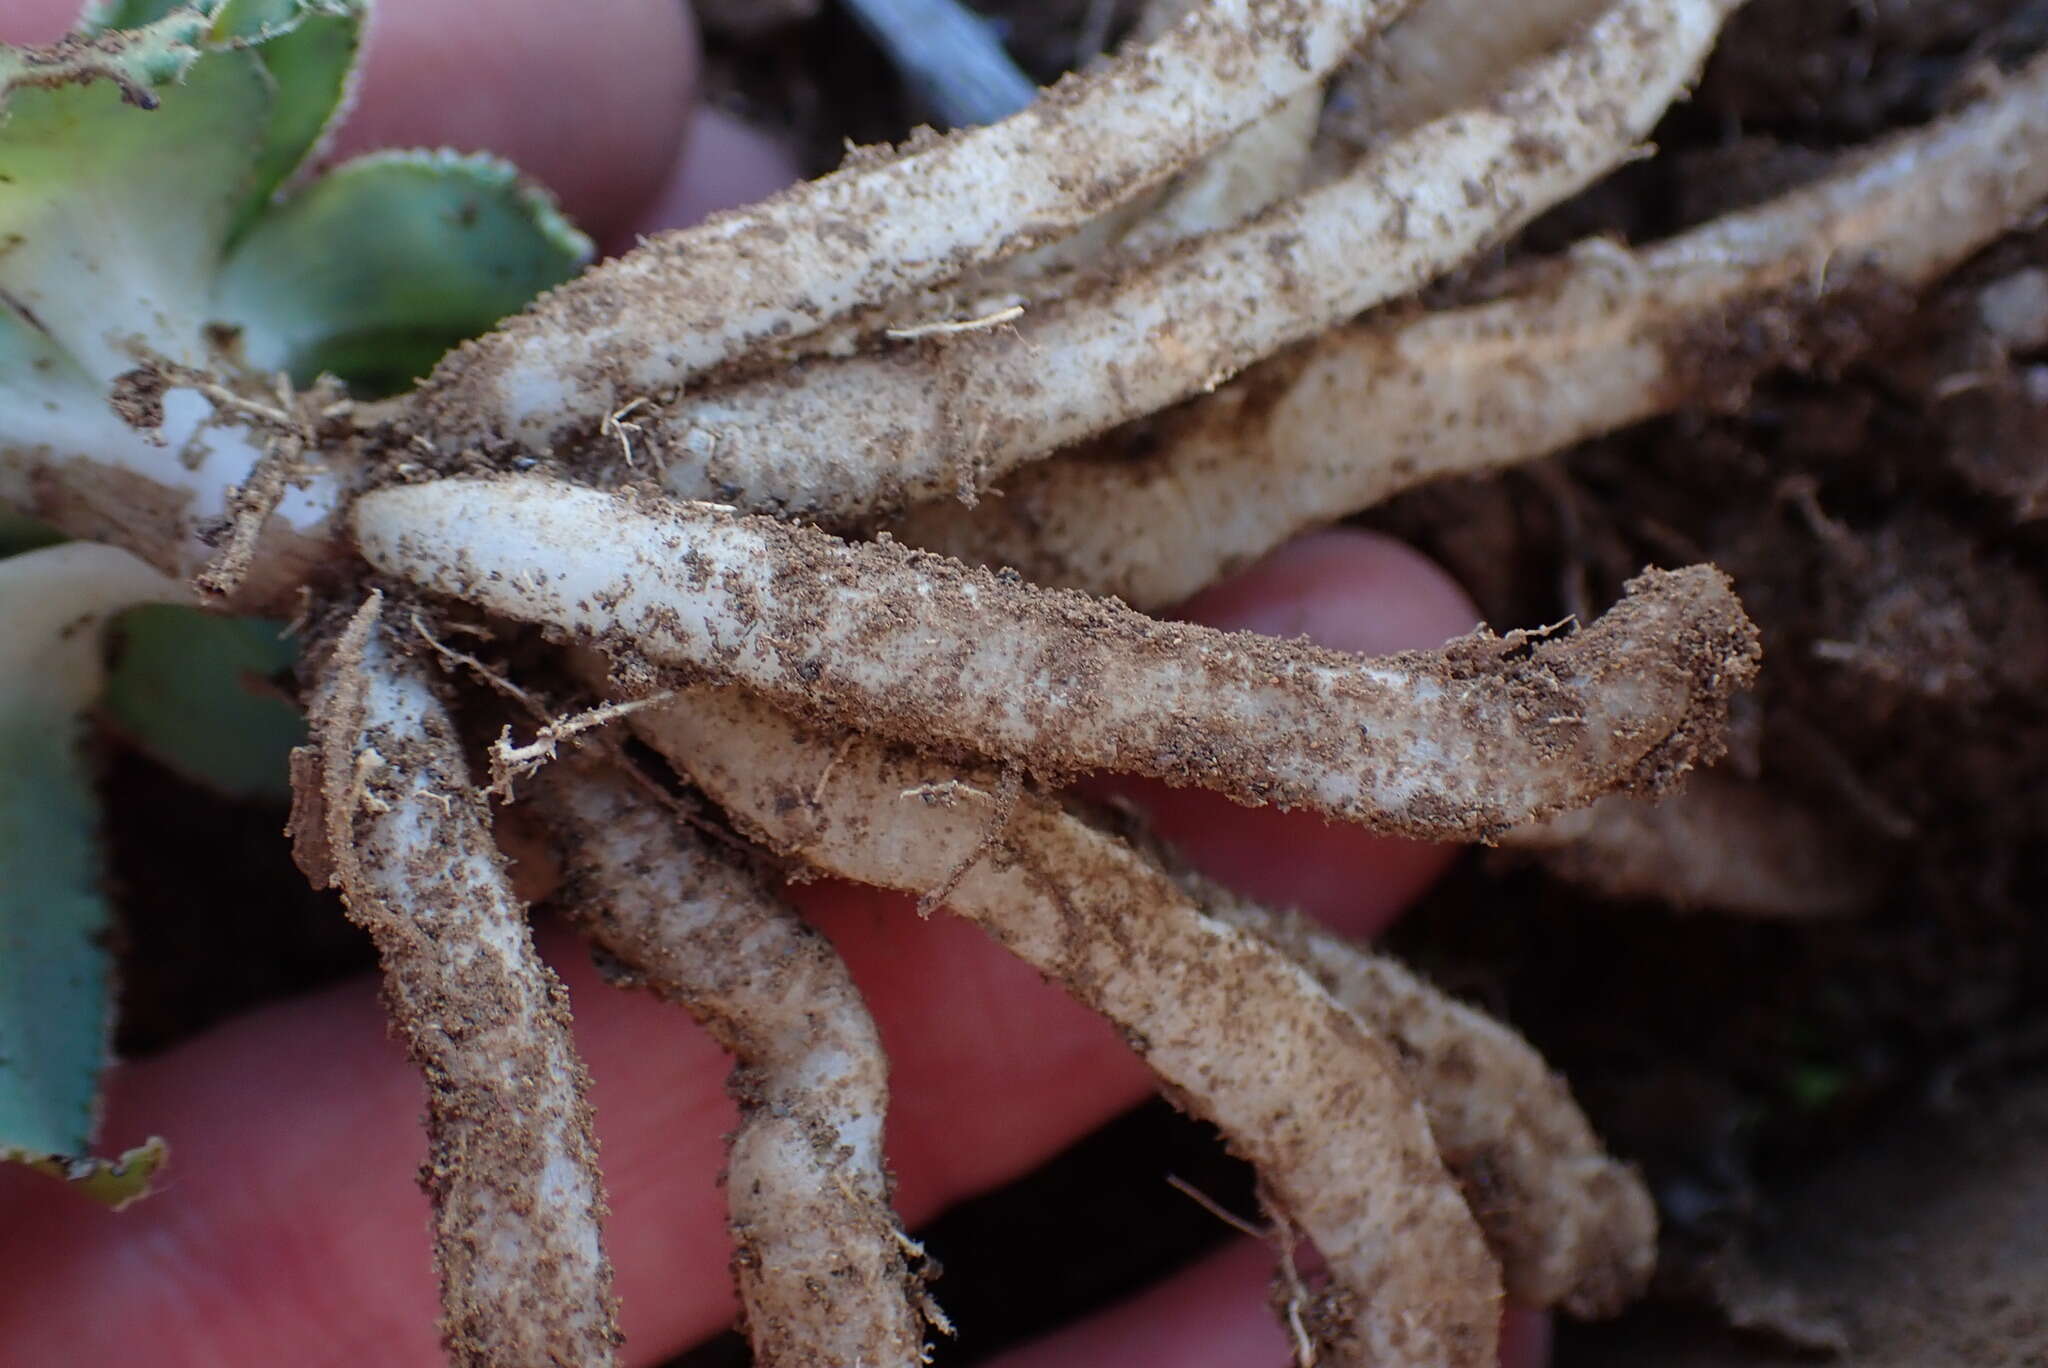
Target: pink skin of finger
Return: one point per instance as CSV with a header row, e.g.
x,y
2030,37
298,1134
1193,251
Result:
x,y
1219,1314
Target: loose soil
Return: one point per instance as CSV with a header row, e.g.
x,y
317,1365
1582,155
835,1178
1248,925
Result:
x,y
1884,512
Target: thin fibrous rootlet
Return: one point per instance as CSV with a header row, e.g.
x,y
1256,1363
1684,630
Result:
x,y
1370,1104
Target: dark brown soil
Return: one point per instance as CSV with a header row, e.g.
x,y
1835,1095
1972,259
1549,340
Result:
x,y
1885,516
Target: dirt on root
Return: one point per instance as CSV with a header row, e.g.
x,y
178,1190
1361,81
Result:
x,y
1884,512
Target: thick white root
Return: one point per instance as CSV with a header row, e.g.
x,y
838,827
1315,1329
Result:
x,y
1611,337
819,1257
777,271
386,812
1570,1225
836,439
1237,1033
1459,743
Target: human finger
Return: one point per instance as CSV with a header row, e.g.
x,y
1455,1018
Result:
x,y
1218,1314
724,164
592,101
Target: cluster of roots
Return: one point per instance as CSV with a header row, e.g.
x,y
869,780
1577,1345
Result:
x,y
845,507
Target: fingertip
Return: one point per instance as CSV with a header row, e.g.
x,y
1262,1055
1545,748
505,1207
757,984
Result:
x,y
1219,1314
1525,1338
725,163
591,101
36,22
1344,588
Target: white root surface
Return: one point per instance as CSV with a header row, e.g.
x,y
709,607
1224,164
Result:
x,y
779,270
819,1257
1458,743
387,813
1571,1226
1612,337
1238,1034
837,439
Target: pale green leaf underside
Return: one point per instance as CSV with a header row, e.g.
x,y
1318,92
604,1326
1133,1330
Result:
x,y
114,216
55,973
378,268
181,690
53,916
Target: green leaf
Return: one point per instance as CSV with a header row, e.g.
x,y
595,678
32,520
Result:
x,y
381,266
138,62
181,689
120,184
55,972
309,48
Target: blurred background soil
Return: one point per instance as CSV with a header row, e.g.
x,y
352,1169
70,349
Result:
x,y
1845,1120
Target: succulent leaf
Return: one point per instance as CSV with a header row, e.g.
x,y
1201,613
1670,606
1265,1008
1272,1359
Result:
x,y
113,217
309,48
54,968
139,60
185,687
376,269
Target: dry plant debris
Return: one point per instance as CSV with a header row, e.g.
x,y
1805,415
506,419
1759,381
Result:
x,y
631,466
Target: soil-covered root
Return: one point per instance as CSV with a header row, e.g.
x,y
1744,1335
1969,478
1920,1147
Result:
x,y
819,1256
1720,844
1571,1226
882,226
1485,734
836,439
1610,337
387,813
1238,1034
